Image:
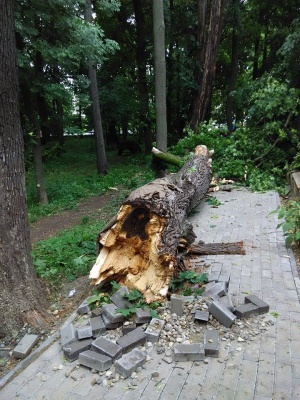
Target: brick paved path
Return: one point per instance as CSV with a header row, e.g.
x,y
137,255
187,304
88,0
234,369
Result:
x,y
263,369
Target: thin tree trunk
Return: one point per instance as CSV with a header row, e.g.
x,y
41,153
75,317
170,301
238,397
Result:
x,y
218,10
94,93
22,299
160,74
142,76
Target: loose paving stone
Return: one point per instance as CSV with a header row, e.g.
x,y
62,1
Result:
x,y
107,347
221,313
219,289
25,345
213,277
177,304
224,278
189,352
246,310
84,332
108,324
201,316
262,305
128,327
68,335
118,298
211,343
84,307
97,361
96,312
227,302
142,315
72,350
109,311
129,362
154,329
98,326
132,339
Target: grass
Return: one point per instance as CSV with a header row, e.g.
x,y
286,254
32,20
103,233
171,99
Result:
x,y
70,178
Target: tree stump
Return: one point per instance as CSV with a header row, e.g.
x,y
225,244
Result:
x,y
139,247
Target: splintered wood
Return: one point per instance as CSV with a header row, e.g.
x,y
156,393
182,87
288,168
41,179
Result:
x,y
139,248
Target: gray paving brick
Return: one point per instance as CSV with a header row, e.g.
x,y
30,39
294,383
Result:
x,y
109,311
129,362
72,350
128,327
107,347
201,316
189,352
211,343
222,314
154,329
84,332
132,339
262,305
142,315
68,334
108,324
98,326
227,302
25,346
97,361
246,310
219,289
84,307
118,298
177,304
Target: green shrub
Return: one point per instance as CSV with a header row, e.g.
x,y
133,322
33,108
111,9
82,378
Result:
x,y
291,224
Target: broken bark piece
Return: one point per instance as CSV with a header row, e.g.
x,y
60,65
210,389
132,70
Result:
x,y
217,248
139,248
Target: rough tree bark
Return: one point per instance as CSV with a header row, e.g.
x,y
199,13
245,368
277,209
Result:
x,y
22,299
139,247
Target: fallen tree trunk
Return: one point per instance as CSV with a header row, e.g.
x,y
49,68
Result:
x,y
217,248
139,247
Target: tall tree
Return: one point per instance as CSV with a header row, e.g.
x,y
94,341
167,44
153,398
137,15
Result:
x,y
211,16
160,74
142,74
21,295
94,93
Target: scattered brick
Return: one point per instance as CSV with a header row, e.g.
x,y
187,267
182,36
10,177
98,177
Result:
x,y
129,362
98,326
201,316
189,352
94,360
246,310
213,277
218,289
96,312
128,327
109,311
118,298
132,339
262,305
227,302
68,335
72,350
224,278
108,324
142,315
177,303
107,347
25,345
84,332
154,329
211,343
84,307
221,313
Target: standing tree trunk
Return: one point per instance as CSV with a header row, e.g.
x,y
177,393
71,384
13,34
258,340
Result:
x,y
218,9
160,74
94,93
234,66
139,247
142,75
22,299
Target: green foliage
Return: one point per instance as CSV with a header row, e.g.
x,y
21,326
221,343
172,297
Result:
x,y
98,299
186,278
213,201
291,224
